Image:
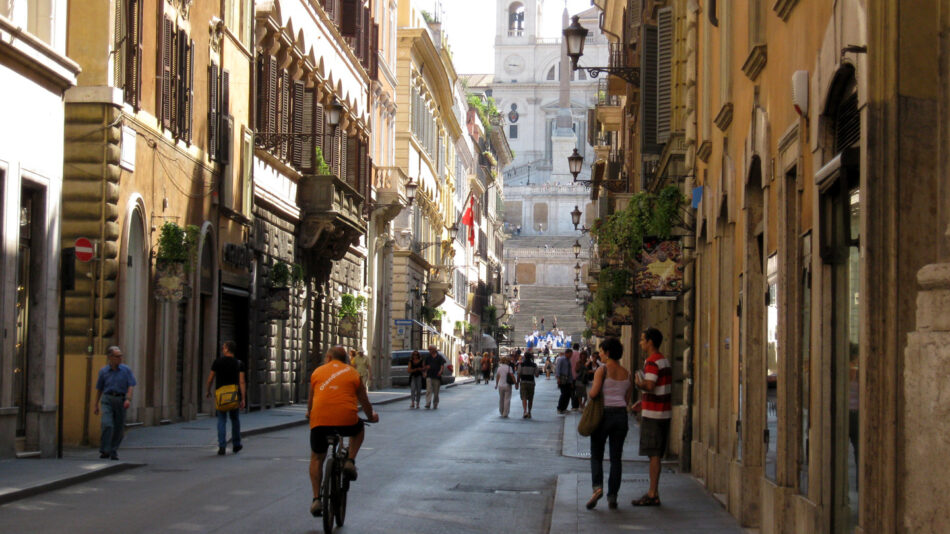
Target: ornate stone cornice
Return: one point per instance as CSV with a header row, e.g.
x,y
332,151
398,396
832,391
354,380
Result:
x,y
724,117
755,62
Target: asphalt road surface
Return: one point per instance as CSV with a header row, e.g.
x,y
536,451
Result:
x,y
457,469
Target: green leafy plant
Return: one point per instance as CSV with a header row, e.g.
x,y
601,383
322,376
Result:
x,y
647,214
490,157
487,111
322,167
587,334
177,244
285,275
612,284
351,305
431,314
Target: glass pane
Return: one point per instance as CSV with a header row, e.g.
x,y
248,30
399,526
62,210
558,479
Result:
x,y
805,387
772,369
854,271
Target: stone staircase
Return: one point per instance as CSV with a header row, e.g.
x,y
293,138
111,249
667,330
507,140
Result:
x,y
548,302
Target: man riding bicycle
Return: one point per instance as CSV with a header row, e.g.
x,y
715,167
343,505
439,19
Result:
x,y
335,389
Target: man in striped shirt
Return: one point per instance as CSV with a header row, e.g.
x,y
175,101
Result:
x,y
656,385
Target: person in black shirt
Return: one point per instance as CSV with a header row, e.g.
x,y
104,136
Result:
x,y
228,370
526,373
435,365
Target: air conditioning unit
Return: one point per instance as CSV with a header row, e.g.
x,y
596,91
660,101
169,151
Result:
x,y
800,92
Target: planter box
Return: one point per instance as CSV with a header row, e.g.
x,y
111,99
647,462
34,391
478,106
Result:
x,y
170,281
349,326
278,303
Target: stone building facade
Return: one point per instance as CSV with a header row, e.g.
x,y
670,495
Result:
x,y
35,73
149,142
814,335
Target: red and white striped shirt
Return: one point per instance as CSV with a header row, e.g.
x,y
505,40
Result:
x,y
657,404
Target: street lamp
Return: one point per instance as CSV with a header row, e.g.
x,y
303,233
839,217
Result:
x,y
454,232
574,162
575,216
577,246
574,37
334,113
577,269
411,190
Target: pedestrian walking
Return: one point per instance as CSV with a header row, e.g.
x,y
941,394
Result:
x,y
504,380
574,357
655,383
613,382
477,367
114,395
527,371
228,371
565,380
580,380
548,367
360,362
416,369
435,366
486,367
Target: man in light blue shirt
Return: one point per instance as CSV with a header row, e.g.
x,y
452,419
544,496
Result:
x,y
114,395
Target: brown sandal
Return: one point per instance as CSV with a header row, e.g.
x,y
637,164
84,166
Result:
x,y
646,500
598,493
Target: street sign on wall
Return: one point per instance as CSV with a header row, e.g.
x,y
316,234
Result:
x,y
84,249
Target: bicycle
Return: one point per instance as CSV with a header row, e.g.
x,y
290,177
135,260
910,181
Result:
x,y
335,485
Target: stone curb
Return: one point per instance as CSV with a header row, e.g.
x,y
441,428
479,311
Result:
x,y
64,482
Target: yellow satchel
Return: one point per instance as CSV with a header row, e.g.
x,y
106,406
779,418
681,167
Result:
x,y
227,398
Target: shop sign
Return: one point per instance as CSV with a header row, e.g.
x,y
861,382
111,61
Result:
x,y
661,269
238,256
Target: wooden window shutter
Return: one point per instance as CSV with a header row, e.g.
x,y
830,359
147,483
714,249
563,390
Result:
x,y
374,53
213,121
339,152
319,126
285,114
364,167
133,53
261,123
225,130
648,90
350,18
297,123
165,74
664,74
272,103
189,91
307,125
353,161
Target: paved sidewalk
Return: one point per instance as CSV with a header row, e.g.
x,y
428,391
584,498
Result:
x,y
687,506
21,478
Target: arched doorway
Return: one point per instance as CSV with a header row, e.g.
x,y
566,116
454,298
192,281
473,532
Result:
x,y
134,302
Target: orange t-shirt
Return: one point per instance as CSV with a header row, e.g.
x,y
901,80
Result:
x,y
334,386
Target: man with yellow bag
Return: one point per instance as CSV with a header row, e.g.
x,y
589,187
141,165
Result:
x,y
228,402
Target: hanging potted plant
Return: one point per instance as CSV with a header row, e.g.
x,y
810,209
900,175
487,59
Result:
x,y
350,308
469,332
433,316
281,278
173,260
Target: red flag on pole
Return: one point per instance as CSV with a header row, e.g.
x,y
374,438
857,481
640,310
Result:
x,y
468,219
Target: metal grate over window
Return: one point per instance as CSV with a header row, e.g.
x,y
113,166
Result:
x,y
847,123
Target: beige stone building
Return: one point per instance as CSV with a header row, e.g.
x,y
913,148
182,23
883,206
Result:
x,y
156,132
812,337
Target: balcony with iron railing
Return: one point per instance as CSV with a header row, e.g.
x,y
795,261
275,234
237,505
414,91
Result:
x,y
609,107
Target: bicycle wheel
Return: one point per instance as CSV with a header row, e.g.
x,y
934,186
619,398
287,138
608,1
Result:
x,y
341,501
326,494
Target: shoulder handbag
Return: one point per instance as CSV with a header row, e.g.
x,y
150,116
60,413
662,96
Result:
x,y
592,416
510,378
227,398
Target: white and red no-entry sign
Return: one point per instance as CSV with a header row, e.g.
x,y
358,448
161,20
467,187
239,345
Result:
x,y
84,249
